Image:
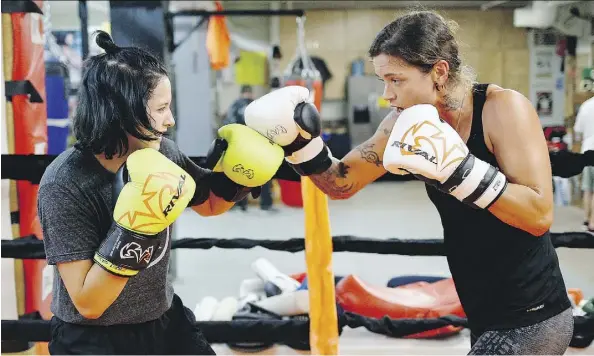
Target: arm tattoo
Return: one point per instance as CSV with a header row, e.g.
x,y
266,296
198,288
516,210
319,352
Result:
x,y
334,181
369,155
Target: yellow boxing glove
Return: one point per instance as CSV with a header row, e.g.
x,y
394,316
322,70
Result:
x,y
244,159
250,159
151,193
156,194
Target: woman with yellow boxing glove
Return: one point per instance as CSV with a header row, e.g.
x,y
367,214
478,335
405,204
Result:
x,y
107,204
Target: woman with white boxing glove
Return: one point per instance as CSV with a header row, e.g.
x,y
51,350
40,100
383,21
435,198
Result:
x,y
481,151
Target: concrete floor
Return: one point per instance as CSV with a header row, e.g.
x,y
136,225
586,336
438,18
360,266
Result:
x,y
218,272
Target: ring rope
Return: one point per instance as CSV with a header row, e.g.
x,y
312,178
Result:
x,y
31,167
29,247
292,331
274,331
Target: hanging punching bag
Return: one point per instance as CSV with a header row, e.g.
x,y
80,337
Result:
x,y
314,85
26,133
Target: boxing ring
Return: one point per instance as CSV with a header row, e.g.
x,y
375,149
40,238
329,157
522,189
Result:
x,y
329,315
294,332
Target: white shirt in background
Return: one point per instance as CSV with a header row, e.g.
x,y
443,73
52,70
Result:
x,y
584,124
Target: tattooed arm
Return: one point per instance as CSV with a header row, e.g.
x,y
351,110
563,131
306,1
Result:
x,y
359,167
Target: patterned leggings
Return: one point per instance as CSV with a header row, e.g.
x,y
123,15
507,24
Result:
x,y
549,337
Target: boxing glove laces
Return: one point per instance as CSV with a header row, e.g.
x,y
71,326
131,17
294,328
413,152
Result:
x,y
426,146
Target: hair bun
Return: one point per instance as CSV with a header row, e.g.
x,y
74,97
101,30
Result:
x,y
453,26
104,40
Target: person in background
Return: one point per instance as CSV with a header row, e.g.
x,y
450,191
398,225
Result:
x,y
235,112
235,116
584,133
71,56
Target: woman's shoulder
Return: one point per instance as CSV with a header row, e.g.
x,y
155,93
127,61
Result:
x,y
65,169
498,93
74,175
170,149
501,102
507,110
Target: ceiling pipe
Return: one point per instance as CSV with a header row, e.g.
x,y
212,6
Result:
x,y
492,4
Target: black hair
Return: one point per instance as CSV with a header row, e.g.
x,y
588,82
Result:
x,y
61,37
113,95
246,89
422,38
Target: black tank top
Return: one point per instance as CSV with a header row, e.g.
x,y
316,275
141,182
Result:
x,y
504,276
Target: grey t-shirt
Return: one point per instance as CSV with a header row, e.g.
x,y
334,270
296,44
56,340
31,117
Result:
x,y
75,210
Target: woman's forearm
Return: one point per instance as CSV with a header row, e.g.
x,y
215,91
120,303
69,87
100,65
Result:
x,y
358,168
213,206
336,182
355,170
97,291
218,205
524,208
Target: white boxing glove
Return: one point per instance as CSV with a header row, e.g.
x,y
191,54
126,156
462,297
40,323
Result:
x,y
426,146
287,117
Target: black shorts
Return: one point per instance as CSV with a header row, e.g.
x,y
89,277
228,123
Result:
x,y
548,337
173,333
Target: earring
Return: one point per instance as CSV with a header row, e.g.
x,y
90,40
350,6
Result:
x,y
436,86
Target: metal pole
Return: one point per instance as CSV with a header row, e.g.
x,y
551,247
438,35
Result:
x,y
491,4
180,13
83,13
169,29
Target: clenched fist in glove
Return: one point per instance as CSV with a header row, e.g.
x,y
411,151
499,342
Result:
x,y
424,145
242,161
151,193
287,118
